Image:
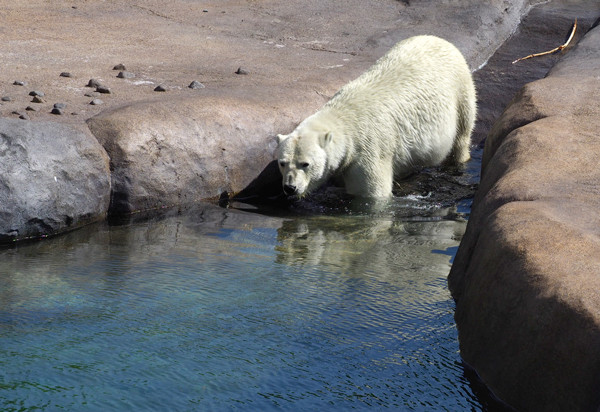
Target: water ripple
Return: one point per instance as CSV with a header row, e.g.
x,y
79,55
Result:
x,y
303,314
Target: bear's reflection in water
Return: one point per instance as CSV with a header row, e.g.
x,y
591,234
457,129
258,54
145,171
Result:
x,y
383,247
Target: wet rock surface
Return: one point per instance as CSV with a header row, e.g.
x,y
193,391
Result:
x,y
527,274
53,178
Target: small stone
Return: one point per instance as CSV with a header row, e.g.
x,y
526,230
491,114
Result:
x,y
204,11
65,74
160,88
241,71
119,66
31,109
6,99
196,85
19,83
103,89
125,75
22,115
60,106
57,111
96,102
36,93
94,83
37,99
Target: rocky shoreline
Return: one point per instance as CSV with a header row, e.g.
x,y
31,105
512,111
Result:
x,y
183,144
526,272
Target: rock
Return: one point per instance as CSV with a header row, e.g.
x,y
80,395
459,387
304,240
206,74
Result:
x,y
125,75
94,83
96,102
58,108
53,178
241,71
6,99
181,150
196,85
526,277
19,83
160,88
24,116
31,109
36,93
119,66
37,99
65,74
103,89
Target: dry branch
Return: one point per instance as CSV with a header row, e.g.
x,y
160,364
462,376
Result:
x,y
561,47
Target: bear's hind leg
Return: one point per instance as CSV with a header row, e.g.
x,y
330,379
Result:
x,y
467,109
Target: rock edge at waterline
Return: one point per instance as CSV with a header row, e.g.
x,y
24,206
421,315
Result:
x,y
526,277
56,179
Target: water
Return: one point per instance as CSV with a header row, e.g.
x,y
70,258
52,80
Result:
x,y
220,309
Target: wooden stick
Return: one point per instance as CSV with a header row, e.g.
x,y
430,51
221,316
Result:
x,y
561,47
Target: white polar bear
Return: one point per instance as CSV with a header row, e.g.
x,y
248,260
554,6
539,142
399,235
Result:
x,y
414,108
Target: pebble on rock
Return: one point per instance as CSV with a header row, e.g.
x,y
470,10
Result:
x,y
160,88
196,85
103,89
22,115
125,75
94,83
119,66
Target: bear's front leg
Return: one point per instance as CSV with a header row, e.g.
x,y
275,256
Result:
x,y
370,181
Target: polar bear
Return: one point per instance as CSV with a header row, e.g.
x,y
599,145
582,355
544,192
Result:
x,y
414,108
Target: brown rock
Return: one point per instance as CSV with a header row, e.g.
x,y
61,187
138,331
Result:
x,y
527,274
181,150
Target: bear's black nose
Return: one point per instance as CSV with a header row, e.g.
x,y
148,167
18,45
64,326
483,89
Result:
x,y
289,190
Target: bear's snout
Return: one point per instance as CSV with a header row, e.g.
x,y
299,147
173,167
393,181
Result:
x,y
290,190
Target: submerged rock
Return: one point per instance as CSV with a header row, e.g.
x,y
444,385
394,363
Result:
x,y
53,178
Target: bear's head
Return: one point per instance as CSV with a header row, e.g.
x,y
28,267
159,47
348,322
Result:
x,y
303,161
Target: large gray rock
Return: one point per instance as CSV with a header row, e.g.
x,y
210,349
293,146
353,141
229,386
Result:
x,y
53,178
526,277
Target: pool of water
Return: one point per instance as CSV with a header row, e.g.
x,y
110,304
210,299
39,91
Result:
x,y
222,309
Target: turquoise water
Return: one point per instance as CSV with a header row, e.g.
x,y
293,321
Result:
x,y
220,309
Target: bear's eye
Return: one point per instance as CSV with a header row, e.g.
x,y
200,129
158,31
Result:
x,y
305,165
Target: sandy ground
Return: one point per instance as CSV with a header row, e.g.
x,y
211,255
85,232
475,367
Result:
x,y
172,44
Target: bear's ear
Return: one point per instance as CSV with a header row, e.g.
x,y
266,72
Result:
x,y
280,138
326,139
